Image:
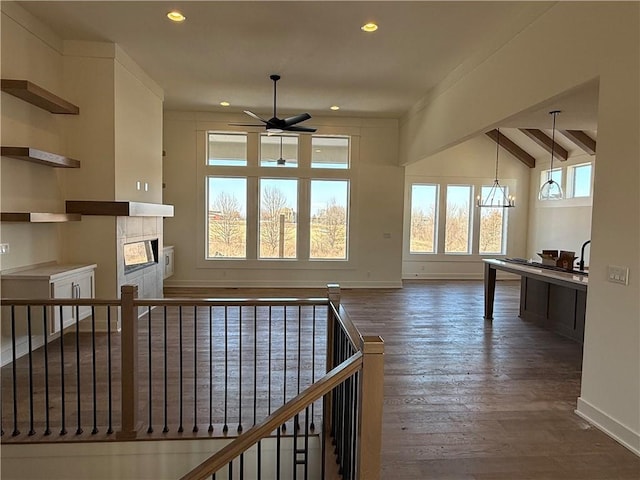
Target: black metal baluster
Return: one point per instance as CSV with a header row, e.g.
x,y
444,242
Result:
x,y
242,466
284,376
94,430
150,427
255,363
269,361
79,413
109,371
211,371
306,443
313,363
230,473
278,452
14,380
295,447
225,428
63,429
30,346
195,368
165,427
355,413
180,427
239,369
45,330
346,439
297,422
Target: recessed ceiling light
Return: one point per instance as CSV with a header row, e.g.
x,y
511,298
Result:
x,y
369,27
176,16
225,104
334,107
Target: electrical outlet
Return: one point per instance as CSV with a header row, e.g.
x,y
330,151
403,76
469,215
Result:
x,y
617,274
4,248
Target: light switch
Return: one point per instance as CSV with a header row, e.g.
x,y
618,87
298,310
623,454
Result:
x,y
4,248
617,274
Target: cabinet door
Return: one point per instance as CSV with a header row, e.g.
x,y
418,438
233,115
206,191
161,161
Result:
x,y
76,286
168,263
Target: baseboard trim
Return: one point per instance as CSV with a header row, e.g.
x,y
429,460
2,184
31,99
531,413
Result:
x,y
272,284
616,430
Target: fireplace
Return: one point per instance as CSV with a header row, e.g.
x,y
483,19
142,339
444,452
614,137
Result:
x,y
139,255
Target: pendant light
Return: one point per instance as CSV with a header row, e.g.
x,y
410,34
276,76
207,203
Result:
x,y
551,190
497,196
281,161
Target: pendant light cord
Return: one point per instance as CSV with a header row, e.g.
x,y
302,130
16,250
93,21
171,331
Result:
x,y
497,152
553,142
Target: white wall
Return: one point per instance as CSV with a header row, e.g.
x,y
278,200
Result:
x,y
571,44
472,161
28,186
376,202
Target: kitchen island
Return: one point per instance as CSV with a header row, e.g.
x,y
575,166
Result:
x,y
551,298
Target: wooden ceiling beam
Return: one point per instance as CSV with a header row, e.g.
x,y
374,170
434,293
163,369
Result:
x,y
545,142
512,148
581,139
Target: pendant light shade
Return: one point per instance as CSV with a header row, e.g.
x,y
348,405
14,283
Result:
x,y
497,196
551,190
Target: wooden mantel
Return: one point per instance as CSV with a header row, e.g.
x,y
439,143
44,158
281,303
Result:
x,y
119,209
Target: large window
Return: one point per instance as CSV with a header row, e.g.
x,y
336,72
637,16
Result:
x,y
492,227
277,197
458,219
424,208
278,217
226,217
329,207
443,220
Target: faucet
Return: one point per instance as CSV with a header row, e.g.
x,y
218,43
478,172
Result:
x,y
581,263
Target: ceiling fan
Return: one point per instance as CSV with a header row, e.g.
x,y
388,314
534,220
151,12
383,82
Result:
x,y
280,161
275,124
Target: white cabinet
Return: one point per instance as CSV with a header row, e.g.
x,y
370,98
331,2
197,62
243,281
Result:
x,y
43,282
167,254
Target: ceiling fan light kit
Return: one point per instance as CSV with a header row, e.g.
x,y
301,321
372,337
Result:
x,y
277,125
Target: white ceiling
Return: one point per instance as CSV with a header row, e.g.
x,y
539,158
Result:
x,y
227,50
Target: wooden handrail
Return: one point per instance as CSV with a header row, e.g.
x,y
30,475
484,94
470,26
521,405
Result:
x,y
65,302
229,302
323,386
344,320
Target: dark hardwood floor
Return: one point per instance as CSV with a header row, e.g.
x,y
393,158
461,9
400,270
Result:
x,y
469,399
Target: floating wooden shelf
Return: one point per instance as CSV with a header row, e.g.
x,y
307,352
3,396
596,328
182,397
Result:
x,y
35,217
119,209
39,156
38,96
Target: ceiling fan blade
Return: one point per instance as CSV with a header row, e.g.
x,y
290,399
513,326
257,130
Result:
x,y
251,114
295,128
245,125
297,119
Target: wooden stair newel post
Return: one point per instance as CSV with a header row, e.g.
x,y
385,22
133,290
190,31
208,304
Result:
x,y
370,413
129,363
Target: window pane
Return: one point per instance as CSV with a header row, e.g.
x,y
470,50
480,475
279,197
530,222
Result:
x,y
458,219
329,152
582,181
424,200
278,217
275,154
226,217
491,227
329,219
227,149
556,175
